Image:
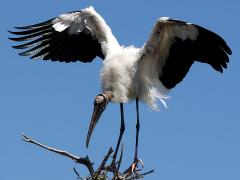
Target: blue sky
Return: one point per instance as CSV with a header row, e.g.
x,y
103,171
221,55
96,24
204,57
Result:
x,y
196,138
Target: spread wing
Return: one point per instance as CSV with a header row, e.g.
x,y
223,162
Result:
x,y
174,46
76,36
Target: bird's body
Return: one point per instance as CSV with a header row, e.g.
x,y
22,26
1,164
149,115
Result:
x,y
147,73
119,72
128,73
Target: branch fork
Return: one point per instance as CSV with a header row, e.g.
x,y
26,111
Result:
x,y
101,173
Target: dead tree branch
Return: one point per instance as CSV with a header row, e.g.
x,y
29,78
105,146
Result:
x,y
102,171
85,161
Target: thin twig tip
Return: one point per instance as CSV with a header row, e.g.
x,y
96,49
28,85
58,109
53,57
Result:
x,y
25,137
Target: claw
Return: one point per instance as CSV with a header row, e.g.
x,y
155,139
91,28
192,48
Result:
x,y
141,162
134,167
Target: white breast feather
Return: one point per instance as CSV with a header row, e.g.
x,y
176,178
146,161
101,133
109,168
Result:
x,y
118,74
125,71
130,77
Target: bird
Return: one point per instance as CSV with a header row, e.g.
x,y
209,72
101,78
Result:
x,y
128,73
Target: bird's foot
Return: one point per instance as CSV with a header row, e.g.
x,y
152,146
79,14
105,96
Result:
x,y
134,168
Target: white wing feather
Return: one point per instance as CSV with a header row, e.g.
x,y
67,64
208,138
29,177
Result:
x,y
163,36
88,18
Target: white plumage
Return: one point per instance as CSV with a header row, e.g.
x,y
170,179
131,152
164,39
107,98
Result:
x,y
128,73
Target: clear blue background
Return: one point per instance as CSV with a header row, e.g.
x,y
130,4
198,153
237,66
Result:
x,y
197,138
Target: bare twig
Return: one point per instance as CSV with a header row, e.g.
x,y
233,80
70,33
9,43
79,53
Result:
x,y
146,173
120,159
85,161
102,172
102,166
78,175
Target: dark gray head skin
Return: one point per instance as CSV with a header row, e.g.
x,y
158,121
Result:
x,y
100,103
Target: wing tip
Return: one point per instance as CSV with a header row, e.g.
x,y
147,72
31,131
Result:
x,y
13,39
11,32
229,51
14,32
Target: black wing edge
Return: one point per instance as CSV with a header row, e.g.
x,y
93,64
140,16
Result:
x,y
46,43
209,34
37,35
212,49
208,48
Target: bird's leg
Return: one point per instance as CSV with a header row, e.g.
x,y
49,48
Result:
x,y
134,165
100,103
137,132
122,129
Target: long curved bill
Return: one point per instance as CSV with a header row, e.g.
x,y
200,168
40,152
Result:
x,y
100,104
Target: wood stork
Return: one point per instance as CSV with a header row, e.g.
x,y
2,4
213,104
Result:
x,y
143,74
